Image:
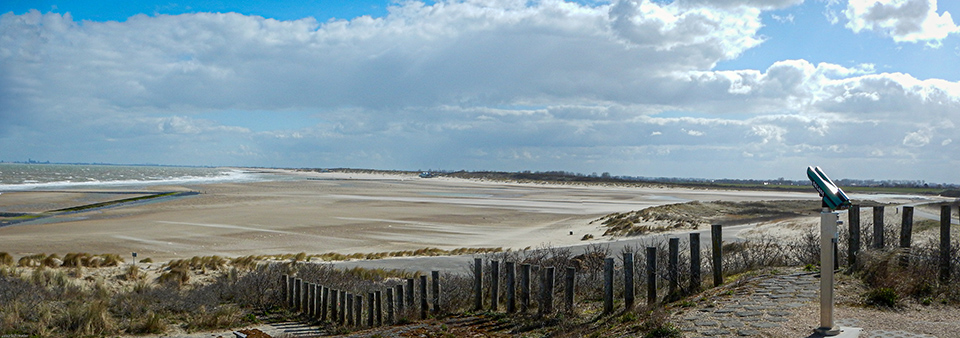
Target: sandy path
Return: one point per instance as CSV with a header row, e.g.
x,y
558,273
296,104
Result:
x,y
331,212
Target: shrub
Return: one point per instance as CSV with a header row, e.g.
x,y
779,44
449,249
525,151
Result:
x,y
6,259
882,297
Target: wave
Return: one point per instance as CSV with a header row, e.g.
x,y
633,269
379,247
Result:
x,y
226,176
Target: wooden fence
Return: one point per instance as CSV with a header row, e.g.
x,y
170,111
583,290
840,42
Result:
x,y
344,307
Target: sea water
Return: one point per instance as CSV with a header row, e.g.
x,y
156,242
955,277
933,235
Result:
x,y
24,177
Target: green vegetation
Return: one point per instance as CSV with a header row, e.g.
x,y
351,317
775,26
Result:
x,y
692,215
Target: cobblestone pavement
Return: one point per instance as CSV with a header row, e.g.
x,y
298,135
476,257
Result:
x,y
750,310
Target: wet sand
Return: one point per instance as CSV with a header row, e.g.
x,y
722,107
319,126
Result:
x,y
336,212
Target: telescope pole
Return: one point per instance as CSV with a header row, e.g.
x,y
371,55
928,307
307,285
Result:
x,y
828,236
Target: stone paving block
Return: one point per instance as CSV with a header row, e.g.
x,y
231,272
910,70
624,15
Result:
x,y
748,332
731,324
764,325
748,313
705,322
715,332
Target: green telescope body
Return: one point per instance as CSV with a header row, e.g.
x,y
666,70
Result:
x,y
833,197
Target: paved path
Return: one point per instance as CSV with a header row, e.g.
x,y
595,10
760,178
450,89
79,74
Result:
x,y
749,310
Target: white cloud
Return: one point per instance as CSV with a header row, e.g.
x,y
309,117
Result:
x,y
916,139
902,20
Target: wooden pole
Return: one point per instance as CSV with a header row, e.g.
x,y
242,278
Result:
x,y
423,297
334,301
435,289
311,299
390,307
524,287
296,294
628,274
378,306
878,227
716,237
853,243
607,285
548,284
370,309
568,288
341,313
673,265
477,284
400,299
945,243
350,316
651,275
358,312
410,293
324,302
511,287
494,285
695,278
287,292
906,235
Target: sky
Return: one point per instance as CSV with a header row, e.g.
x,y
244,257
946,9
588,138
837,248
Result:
x,y
759,89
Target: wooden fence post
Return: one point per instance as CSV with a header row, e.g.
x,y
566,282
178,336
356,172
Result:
x,y
378,306
607,285
423,297
400,298
358,311
546,288
673,265
695,278
370,309
477,284
285,281
316,306
878,227
334,301
628,274
410,293
716,237
435,288
494,285
568,289
853,243
944,243
296,294
524,287
906,235
350,309
511,287
651,275
341,313
311,299
391,307
324,302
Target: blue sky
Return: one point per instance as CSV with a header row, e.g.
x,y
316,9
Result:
x,y
686,88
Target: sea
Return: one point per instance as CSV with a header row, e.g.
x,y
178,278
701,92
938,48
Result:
x,y
28,176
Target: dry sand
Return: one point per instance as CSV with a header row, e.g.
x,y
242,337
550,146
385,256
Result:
x,y
338,212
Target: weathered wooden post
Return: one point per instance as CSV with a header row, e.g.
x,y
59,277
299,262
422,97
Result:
x,y
477,284
494,285
370,309
906,235
511,287
378,306
628,274
342,312
350,309
435,289
400,296
853,242
423,297
878,227
716,237
410,292
695,278
673,265
287,292
296,294
358,311
391,318
651,275
311,299
324,302
546,288
524,287
568,289
944,243
607,285
334,305
319,303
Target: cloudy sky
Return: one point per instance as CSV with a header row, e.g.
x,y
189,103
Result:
x,y
685,88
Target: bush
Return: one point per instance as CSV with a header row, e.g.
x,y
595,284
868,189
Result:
x,y
882,297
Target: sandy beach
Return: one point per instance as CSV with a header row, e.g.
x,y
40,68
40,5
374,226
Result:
x,y
338,212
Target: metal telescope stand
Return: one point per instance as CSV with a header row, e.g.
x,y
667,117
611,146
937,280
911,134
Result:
x,y
828,238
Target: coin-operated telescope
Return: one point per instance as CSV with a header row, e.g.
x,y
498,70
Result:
x,y
833,197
